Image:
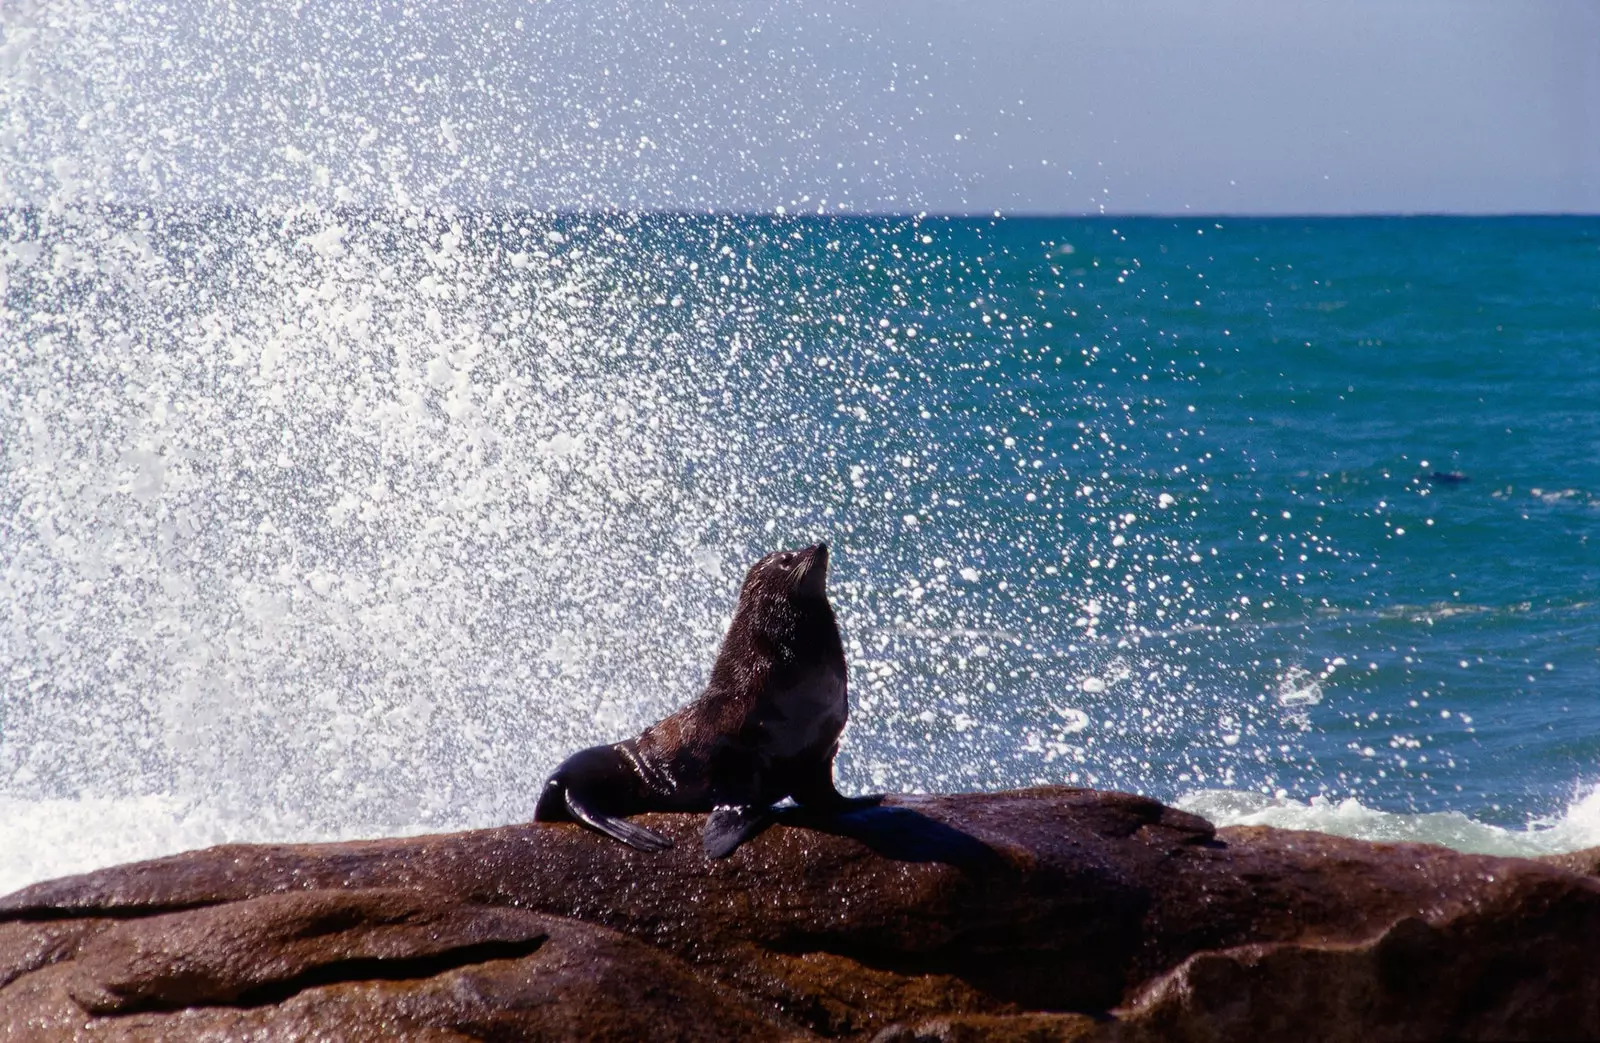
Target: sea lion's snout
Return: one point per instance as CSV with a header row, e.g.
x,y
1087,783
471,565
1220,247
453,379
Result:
x,y
801,573
811,571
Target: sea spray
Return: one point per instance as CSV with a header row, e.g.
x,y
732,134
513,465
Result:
x,y
345,488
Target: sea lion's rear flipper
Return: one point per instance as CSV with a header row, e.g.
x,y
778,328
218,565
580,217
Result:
x,y
866,800
729,826
813,788
617,828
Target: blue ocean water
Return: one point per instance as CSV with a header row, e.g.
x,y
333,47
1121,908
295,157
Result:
x,y
322,523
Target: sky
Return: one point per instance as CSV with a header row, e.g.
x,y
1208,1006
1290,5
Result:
x,y
1289,107
944,106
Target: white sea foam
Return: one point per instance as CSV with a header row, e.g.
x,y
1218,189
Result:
x,y
44,839
1576,828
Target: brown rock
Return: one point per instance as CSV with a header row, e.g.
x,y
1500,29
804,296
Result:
x,y
993,1028
1042,914
1482,975
1586,861
368,964
255,952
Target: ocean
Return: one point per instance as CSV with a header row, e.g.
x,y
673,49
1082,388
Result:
x,y
334,523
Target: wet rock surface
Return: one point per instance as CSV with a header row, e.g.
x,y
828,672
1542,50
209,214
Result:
x,y
1046,914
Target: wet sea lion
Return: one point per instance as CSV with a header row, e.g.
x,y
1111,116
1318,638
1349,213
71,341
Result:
x,y
766,727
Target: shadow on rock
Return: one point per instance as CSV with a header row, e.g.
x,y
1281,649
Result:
x,y
898,833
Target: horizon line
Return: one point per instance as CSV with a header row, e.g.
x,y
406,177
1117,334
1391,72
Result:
x,y
784,214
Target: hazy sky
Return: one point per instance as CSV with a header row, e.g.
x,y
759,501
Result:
x,y
1428,105
1263,106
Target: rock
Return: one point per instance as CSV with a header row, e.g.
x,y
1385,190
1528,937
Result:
x,y
365,965
1047,914
993,1028
1586,862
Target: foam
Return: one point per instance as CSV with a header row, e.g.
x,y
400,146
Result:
x,y
45,839
1576,828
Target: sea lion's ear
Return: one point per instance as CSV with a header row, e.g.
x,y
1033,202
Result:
x,y
728,827
757,570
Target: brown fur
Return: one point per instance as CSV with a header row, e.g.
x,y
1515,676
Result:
x,y
766,727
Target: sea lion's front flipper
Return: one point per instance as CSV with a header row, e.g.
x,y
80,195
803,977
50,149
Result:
x,y
729,826
617,828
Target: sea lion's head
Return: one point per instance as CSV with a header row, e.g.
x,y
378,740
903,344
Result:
x,y
789,574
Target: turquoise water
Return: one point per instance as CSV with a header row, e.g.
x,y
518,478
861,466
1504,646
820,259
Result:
x,y
1363,629
324,523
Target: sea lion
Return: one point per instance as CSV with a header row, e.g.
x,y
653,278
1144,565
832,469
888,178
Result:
x,y
766,727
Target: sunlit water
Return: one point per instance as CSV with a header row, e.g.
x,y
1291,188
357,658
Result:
x,y
346,522
321,519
